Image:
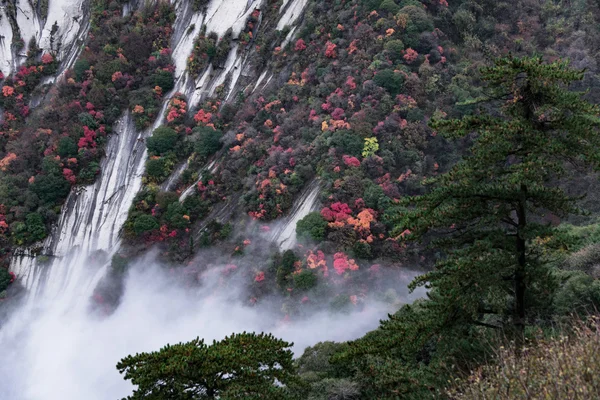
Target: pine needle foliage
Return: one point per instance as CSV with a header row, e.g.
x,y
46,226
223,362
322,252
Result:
x,y
241,366
487,213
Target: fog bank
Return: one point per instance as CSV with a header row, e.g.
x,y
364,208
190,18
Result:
x,y
66,353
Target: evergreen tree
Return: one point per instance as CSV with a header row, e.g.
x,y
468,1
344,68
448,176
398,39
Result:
x,y
486,214
241,366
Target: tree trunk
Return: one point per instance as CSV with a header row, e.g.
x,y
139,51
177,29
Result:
x,y
520,272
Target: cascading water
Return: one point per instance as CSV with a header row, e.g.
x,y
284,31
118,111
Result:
x,y
59,289
90,222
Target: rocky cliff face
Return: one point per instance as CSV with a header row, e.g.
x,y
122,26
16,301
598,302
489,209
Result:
x,y
59,26
93,215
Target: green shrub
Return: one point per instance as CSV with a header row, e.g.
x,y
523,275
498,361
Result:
x,y
395,49
79,69
196,207
19,232
89,172
31,231
5,278
204,50
228,113
286,268
36,230
305,280
374,196
312,226
165,80
348,142
578,293
67,147
415,115
145,223
50,188
87,120
315,360
208,141
389,80
405,3
105,71
175,216
156,169
419,21
464,20
222,49
584,235
146,98
163,140
214,232
362,250
390,6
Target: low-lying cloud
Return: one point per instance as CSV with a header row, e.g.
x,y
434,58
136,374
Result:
x,y
52,354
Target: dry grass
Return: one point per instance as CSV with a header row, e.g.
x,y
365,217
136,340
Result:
x,y
565,368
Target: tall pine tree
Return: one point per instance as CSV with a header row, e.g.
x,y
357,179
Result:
x,y
487,213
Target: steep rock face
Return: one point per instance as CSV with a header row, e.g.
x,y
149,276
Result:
x,y
284,234
92,216
55,25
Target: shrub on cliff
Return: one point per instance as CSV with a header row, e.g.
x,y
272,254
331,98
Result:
x,y
144,223
5,279
207,141
312,226
162,141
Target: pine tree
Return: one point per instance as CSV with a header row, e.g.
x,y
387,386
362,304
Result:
x,y
487,213
241,366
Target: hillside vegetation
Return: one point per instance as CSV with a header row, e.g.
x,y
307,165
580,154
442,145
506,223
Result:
x,y
457,138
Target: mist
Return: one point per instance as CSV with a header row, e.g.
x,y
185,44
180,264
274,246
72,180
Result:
x,y
54,352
